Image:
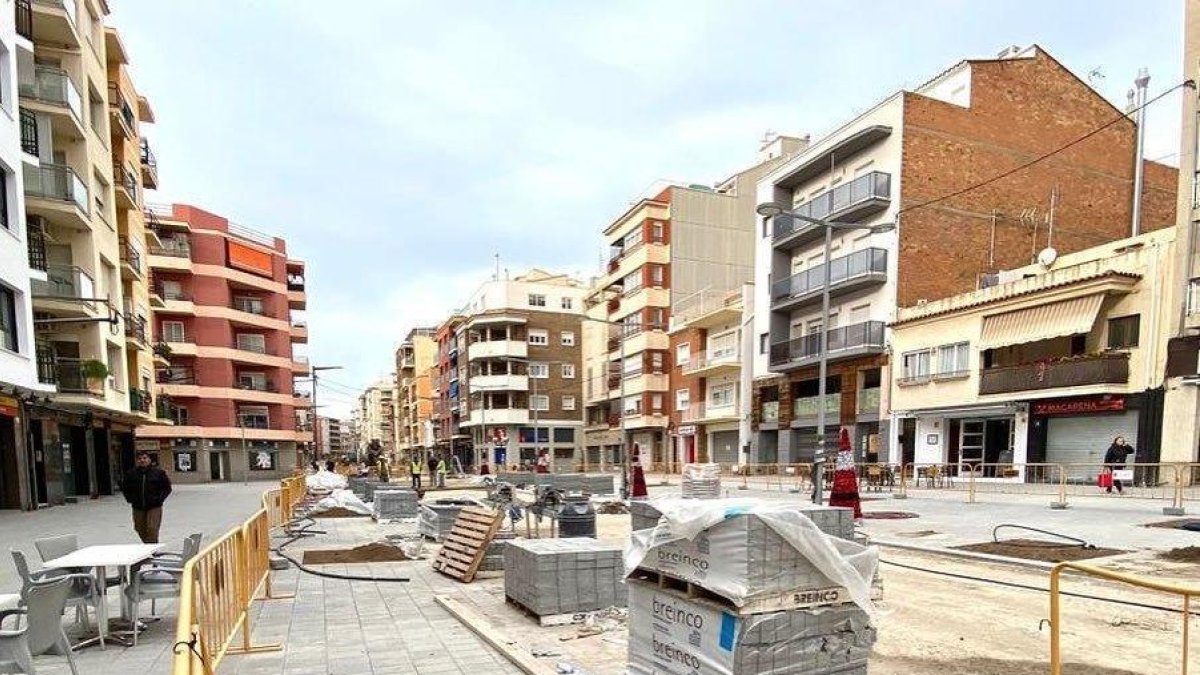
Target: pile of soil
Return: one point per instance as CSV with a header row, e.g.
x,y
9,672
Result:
x,y
1039,549
1192,524
373,552
1187,554
339,512
888,515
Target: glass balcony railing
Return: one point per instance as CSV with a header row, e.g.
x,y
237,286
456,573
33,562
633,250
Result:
x,y
858,264
53,85
865,335
809,406
58,182
833,203
770,412
868,400
67,282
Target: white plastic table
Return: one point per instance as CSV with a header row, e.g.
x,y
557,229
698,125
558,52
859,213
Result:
x,y
98,558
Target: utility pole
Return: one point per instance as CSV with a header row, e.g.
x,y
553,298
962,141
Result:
x,y
317,452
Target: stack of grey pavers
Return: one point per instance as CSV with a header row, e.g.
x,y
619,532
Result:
x,y
643,514
701,481
358,485
596,484
436,518
563,576
395,504
493,558
672,631
372,485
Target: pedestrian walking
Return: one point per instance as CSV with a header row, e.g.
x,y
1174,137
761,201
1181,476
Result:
x,y
146,488
441,471
1114,459
415,470
543,463
433,463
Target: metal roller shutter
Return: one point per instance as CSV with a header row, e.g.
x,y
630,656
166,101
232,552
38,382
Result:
x,y
724,448
1082,441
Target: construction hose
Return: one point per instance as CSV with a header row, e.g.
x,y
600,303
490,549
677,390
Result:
x,y
304,531
1026,544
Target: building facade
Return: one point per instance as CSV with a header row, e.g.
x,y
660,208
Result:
x,y
335,437
223,298
415,360
681,241
1048,366
892,165
375,417
446,413
521,391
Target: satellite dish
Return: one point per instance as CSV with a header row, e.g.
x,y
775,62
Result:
x,y
1047,256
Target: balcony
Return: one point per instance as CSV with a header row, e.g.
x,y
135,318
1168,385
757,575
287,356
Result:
x,y
300,332
65,282
174,301
250,346
770,412
866,195
121,112
131,259
149,166
858,339
23,11
140,401
846,274
29,133
71,376
54,92
869,400
718,363
54,22
135,329
1075,371
56,192
176,375
126,186
490,349
35,238
500,382
249,306
806,408
300,365
252,384
703,413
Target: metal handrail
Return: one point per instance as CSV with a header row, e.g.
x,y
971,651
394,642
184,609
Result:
x,y
852,266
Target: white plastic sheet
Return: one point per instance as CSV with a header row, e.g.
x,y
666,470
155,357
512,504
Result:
x,y
325,480
702,471
344,499
843,562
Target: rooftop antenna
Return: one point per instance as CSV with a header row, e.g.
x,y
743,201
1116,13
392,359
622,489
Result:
x,y
1096,77
496,274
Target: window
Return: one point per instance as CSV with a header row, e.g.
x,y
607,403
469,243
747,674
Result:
x,y
180,416
254,381
567,303
656,403
568,371
633,405
656,362
537,300
1193,297
723,345
632,281
683,399
568,403
254,417
4,220
172,290
539,402
721,397
764,342
656,231
8,320
953,360
658,318
172,331
539,371
683,353
915,366
1123,332
539,336
252,342
656,275
567,338
564,434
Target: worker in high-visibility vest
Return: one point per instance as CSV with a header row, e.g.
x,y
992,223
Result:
x,y
382,468
415,468
441,472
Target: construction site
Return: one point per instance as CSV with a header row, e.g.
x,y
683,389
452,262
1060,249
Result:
x,y
711,571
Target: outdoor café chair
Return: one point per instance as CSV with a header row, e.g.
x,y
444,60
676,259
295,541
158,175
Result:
x,y
59,545
151,583
43,631
81,588
191,546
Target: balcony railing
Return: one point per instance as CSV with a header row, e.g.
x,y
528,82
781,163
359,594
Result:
x,y
116,101
174,247
848,267
131,255
257,385
1076,371
249,305
135,327
53,85
69,375
176,375
172,294
253,422
29,133
868,334
24,18
66,282
35,239
58,182
770,412
809,406
246,346
126,179
727,357
295,282
140,400
835,203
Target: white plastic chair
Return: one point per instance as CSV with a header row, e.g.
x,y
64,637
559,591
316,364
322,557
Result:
x,y
43,632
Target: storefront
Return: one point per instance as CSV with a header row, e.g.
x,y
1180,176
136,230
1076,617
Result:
x,y
1076,432
13,490
989,440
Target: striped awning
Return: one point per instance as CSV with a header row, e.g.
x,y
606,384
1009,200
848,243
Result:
x,y
1055,319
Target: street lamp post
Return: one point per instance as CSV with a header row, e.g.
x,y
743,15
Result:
x,y
772,210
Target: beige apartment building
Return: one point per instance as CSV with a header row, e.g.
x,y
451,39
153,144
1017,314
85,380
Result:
x,y
1047,366
414,392
375,417
668,247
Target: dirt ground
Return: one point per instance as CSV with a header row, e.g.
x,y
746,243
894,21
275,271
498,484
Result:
x,y
1037,549
374,552
933,624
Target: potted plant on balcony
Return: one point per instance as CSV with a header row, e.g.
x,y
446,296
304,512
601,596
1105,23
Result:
x,y
162,349
94,370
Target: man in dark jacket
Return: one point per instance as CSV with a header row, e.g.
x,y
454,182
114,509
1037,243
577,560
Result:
x,y
146,487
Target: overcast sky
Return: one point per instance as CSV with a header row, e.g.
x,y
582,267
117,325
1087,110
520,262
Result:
x,y
398,146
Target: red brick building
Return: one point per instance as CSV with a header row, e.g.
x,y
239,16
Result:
x,y
222,300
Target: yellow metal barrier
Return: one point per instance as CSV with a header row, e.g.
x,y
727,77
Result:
x,y
1186,592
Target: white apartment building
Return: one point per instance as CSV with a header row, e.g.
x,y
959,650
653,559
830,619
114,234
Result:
x,y
374,418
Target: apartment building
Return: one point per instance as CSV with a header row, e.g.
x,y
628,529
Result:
x,y
335,437
521,383
414,391
446,413
1182,405
223,297
1048,366
907,161
375,417
680,241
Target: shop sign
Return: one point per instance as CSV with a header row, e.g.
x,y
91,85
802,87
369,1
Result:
x,y
687,430
8,406
1079,406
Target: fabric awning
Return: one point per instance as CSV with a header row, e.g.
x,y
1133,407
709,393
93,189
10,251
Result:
x,y
1055,319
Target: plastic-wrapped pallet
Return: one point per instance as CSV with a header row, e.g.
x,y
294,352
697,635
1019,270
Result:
x,y
642,514
670,633
563,576
436,519
394,504
701,481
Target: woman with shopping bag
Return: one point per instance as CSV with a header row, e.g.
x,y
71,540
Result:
x,y
1114,461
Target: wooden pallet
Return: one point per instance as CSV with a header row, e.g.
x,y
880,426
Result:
x,y
466,545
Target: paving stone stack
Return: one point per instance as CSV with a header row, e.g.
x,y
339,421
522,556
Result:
x,y
701,481
372,485
394,504
642,514
357,485
493,559
436,519
563,576
738,571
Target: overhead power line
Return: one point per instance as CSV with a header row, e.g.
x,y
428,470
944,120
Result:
x,y
1040,158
